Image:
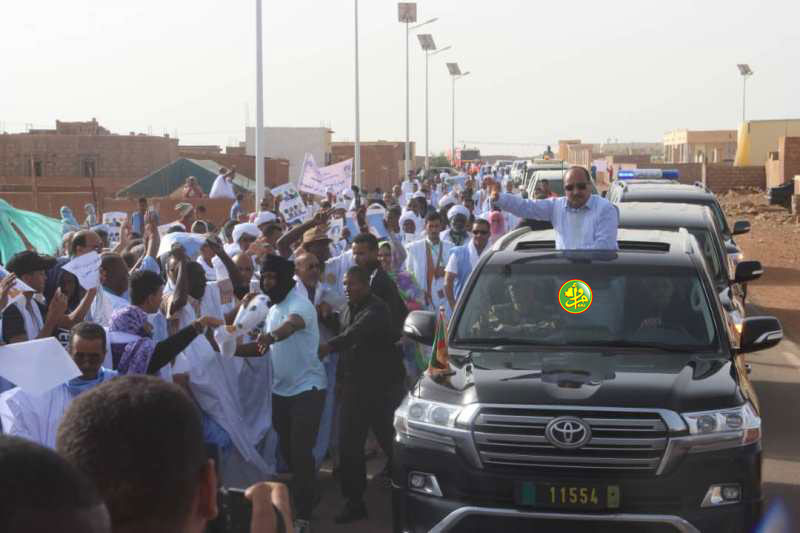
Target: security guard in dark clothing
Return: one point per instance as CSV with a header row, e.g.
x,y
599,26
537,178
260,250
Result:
x,y
370,374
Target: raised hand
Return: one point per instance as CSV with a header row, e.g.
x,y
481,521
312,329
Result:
x,y
5,286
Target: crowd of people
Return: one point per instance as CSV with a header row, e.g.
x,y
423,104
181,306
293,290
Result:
x,y
234,351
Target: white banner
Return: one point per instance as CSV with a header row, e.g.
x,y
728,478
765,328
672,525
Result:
x,y
292,206
338,177
310,177
86,268
334,178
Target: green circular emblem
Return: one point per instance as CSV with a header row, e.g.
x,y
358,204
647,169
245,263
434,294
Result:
x,y
575,296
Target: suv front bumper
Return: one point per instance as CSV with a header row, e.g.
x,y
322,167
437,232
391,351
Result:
x,y
482,500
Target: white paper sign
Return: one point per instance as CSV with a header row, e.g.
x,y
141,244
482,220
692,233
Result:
x,y
114,220
16,292
191,242
338,177
310,178
335,229
292,206
37,366
87,269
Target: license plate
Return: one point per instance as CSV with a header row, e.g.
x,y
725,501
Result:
x,y
567,495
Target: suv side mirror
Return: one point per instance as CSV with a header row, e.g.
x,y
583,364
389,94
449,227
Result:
x,y
748,271
741,226
421,326
760,333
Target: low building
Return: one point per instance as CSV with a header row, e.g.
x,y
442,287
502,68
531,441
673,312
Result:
x,y
694,146
82,150
757,138
382,162
293,144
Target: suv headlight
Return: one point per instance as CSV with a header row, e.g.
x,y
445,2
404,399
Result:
x,y
428,420
742,419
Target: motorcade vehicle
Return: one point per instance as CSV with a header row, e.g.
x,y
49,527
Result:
x,y
699,221
669,189
585,391
555,179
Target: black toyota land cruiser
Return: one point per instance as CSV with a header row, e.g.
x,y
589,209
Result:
x,y
586,391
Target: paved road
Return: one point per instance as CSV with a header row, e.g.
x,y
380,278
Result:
x,y
776,376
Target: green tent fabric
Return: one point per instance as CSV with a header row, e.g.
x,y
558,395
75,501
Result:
x,y
44,233
166,180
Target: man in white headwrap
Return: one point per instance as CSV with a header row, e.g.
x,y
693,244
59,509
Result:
x,y
409,230
458,217
244,235
263,218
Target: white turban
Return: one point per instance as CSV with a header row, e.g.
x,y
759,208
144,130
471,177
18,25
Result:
x,y
457,210
264,217
419,194
409,215
245,229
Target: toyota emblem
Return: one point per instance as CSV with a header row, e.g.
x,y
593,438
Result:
x,y
568,432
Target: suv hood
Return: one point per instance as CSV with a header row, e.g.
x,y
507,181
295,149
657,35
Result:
x,y
675,381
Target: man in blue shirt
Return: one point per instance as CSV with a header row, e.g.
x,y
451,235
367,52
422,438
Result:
x,y
581,220
298,377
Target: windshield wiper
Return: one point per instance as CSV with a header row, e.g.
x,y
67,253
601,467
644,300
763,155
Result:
x,y
662,346
504,341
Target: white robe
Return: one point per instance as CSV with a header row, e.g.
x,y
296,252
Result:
x,y
417,264
236,393
222,188
36,418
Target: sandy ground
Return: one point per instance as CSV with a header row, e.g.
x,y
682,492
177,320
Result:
x,y
775,241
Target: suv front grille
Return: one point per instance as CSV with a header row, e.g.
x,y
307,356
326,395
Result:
x,y
510,437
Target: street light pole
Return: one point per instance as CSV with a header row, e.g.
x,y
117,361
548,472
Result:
x,y
455,74
407,159
259,137
407,13
357,147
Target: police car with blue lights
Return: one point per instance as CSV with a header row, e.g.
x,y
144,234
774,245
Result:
x,y
657,185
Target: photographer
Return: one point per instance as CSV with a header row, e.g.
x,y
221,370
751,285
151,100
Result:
x,y
140,440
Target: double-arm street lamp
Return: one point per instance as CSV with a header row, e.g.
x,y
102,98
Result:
x,y
429,47
455,74
407,13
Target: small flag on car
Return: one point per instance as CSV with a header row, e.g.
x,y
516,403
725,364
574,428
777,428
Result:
x,y
440,360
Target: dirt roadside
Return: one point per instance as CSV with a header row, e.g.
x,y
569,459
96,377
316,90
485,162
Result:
x,y
775,241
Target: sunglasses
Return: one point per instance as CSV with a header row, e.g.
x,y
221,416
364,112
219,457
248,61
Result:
x,y
480,232
579,186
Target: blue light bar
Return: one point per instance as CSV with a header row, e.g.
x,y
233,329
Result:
x,y
648,173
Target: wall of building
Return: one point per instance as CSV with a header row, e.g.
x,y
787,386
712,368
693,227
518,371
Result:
x,y
381,162
292,144
789,154
762,137
115,156
721,177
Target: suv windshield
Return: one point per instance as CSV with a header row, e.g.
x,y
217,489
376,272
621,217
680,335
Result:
x,y
662,308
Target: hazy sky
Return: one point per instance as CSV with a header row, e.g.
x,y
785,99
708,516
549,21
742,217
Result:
x,y
540,71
